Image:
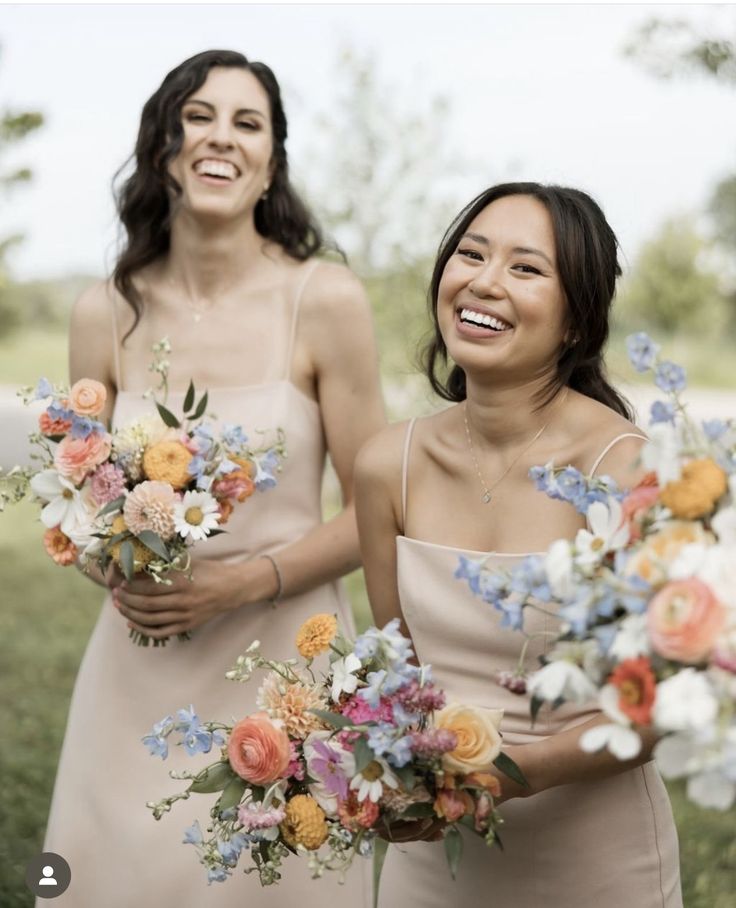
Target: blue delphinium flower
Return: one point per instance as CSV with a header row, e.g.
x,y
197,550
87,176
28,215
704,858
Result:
x,y
469,569
156,741
571,484
400,752
83,427
530,579
578,612
265,468
662,411
372,692
44,389
229,851
195,737
642,351
513,613
205,439
193,834
367,645
545,480
56,411
605,635
233,436
402,716
714,428
669,377
217,875
381,738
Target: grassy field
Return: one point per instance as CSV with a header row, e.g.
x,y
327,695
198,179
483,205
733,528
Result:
x,y
47,615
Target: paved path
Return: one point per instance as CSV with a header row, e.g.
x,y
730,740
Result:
x,y
16,421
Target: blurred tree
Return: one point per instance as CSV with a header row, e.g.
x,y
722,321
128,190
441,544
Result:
x,y
670,286
14,126
386,180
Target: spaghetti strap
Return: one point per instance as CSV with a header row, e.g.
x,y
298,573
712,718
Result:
x,y
309,271
115,346
610,445
405,469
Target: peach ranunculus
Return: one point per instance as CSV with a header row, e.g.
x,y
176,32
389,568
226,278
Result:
x,y
637,503
452,804
259,749
695,494
237,484
684,620
59,547
661,548
76,457
87,397
478,737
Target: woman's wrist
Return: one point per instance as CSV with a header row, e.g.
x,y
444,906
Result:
x,y
259,580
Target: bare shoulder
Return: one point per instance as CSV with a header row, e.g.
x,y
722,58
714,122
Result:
x,y
380,458
612,443
91,335
93,309
334,291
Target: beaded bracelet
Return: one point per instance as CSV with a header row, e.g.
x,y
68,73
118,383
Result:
x,y
279,579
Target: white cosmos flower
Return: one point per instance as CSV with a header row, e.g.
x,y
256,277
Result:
x,y
624,743
685,702
712,789
558,566
608,533
369,781
632,639
677,755
561,679
67,506
661,453
196,515
343,679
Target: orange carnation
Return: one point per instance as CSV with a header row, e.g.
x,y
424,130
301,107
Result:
x,y
168,461
695,494
636,685
315,635
237,484
49,426
59,547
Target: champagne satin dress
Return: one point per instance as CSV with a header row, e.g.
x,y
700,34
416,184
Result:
x,y
119,855
606,844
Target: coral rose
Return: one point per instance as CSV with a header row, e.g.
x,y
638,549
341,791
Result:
x,y
478,737
305,823
59,547
487,780
661,548
87,397
684,619
259,750
452,804
638,502
695,494
168,461
237,484
315,635
76,457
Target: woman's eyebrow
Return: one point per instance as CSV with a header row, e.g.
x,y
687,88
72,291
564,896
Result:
x,y
243,110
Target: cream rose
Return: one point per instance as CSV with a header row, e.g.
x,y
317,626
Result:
x,y
478,737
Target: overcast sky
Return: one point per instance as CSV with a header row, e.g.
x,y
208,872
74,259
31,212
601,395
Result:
x,y
537,92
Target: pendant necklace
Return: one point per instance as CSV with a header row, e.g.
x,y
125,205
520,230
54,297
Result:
x,y
487,495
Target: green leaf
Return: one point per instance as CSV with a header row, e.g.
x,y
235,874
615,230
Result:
x,y
118,537
127,559
189,399
453,849
111,506
201,407
418,811
536,705
380,847
333,719
155,543
231,794
214,778
508,767
407,776
216,532
362,753
168,417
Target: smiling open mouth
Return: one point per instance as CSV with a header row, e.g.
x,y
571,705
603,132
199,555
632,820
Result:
x,y
482,320
220,170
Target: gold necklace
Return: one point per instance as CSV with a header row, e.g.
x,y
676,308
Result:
x,y
488,489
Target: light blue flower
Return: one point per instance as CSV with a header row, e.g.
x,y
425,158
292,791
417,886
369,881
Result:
x,y
229,851
642,351
227,466
513,613
372,692
403,717
217,875
714,428
265,467
571,484
469,569
400,752
156,741
494,587
670,377
44,389
83,427
380,738
367,645
197,466
578,613
605,635
545,481
193,834
662,411
204,438
233,436
56,411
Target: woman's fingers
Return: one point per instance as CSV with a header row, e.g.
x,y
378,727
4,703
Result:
x,y
146,603
151,619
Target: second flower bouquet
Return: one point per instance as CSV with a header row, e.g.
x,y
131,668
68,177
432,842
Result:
x,y
328,764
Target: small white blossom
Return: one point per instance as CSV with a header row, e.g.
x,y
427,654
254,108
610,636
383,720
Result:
x,y
684,702
343,679
632,639
661,453
561,679
607,533
624,743
558,566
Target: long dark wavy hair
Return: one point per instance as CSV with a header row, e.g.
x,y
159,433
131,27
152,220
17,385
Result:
x,y
587,262
144,199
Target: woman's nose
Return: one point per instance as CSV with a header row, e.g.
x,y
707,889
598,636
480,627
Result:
x,y
220,135
487,283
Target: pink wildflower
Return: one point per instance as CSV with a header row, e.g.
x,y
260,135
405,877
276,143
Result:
x,y
422,699
433,743
358,711
255,815
511,681
296,768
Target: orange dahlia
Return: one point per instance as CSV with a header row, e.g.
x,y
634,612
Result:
x,y
305,823
168,461
315,635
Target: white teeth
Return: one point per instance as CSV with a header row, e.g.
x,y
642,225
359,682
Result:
x,y
214,168
480,318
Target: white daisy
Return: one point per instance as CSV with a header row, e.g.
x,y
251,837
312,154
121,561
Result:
x,y
196,515
370,780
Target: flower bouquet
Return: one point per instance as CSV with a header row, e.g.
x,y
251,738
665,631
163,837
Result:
x,y
141,495
329,763
645,596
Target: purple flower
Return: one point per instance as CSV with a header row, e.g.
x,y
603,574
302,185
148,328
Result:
x,y
433,743
328,767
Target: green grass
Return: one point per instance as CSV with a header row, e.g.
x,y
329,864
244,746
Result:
x,y
25,356
46,620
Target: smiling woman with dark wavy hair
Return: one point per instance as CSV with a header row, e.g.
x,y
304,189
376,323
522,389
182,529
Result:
x,y
220,256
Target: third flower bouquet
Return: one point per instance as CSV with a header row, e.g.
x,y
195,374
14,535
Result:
x,y
332,758
645,596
